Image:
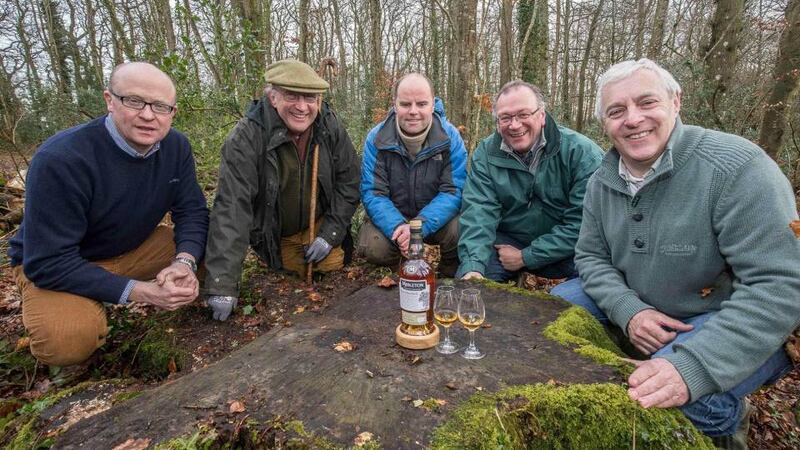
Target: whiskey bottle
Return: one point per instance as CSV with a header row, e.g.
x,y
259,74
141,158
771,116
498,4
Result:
x,y
417,290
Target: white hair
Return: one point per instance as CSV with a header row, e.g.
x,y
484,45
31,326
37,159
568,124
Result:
x,y
625,69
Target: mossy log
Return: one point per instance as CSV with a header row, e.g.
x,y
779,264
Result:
x,y
295,373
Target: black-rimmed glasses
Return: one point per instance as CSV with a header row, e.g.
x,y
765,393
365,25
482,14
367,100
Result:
x,y
520,116
137,103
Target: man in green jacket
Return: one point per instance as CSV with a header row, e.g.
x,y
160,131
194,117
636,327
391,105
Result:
x,y
264,190
521,209
686,246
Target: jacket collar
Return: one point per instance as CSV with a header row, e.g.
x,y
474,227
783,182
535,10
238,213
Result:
x,y
551,133
387,137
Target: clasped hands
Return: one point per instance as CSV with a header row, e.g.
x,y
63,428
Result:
x,y
176,285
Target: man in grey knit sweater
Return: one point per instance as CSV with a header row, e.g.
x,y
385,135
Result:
x,y
685,245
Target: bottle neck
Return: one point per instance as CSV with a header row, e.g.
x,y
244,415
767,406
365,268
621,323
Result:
x,y
415,246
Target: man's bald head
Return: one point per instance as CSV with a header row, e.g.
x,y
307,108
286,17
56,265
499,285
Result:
x,y
411,77
132,71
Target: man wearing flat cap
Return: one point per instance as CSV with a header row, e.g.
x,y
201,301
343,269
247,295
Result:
x,y
264,189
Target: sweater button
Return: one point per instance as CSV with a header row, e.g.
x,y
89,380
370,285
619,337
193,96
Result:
x,y
637,217
638,243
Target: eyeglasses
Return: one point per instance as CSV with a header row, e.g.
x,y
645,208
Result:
x,y
293,97
520,116
137,103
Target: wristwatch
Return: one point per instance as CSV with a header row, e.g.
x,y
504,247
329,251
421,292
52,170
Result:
x,y
188,261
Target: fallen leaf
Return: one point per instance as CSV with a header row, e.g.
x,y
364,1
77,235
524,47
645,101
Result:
x,y
363,438
535,322
486,325
236,407
452,386
134,444
370,374
478,388
440,402
387,282
705,292
353,273
22,343
415,360
795,226
406,398
288,323
315,296
253,322
344,346
171,366
417,403
299,310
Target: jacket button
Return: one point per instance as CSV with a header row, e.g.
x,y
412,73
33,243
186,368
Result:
x,y
638,243
637,217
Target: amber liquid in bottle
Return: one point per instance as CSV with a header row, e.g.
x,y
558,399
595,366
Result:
x,y
417,287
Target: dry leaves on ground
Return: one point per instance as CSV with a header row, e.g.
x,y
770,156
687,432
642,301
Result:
x,y
344,346
236,407
133,444
387,282
363,438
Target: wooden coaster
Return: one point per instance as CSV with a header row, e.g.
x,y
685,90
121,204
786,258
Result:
x,y
417,342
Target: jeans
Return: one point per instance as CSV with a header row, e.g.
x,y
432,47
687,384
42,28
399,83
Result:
x,y
713,414
496,272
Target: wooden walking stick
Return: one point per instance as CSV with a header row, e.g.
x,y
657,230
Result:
x,y
313,207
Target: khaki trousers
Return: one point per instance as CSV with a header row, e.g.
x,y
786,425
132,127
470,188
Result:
x,y
65,328
293,251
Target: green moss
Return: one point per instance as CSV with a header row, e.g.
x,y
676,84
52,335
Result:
x,y
512,288
598,416
577,327
155,354
202,439
120,397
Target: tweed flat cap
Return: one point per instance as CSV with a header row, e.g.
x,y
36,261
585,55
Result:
x,y
295,76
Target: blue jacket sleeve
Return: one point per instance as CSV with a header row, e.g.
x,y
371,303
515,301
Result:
x,y
56,208
447,202
375,190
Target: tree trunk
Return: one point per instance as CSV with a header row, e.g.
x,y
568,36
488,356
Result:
x,y
56,44
556,50
566,102
533,39
659,22
506,41
785,76
722,53
579,119
302,17
464,50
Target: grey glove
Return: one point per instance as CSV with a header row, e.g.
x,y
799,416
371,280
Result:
x,y
318,250
222,306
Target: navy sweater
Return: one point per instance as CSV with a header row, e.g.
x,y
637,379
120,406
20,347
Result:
x,y
87,200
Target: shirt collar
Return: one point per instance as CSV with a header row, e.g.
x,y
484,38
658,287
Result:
x,y
123,144
626,175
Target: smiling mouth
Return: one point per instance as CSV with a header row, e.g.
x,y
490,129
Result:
x,y
639,135
517,135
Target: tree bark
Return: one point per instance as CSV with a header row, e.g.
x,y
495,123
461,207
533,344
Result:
x,y
659,22
566,103
464,44
785,76
722,53
506,41
302,17
533,40
579,119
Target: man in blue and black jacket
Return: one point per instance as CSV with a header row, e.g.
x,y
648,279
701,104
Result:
x,y
414,167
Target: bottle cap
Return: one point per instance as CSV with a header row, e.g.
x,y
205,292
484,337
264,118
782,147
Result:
x,y
415,223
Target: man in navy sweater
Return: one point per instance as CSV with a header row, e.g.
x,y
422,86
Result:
x,y
95,195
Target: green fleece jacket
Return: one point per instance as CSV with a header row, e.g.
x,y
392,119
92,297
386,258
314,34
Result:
x,y
708,231
542,207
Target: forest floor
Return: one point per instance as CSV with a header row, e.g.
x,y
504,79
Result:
x,y
151,347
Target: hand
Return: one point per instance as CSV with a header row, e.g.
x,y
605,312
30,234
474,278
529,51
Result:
x,y
650,330
222,306
402,236
472,276
167,296
657,383
318,250
510,257
180,274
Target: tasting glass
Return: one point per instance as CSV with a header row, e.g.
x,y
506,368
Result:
x,y
471,314
445,311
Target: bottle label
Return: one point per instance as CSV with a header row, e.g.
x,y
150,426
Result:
x,y
412,318
414,295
